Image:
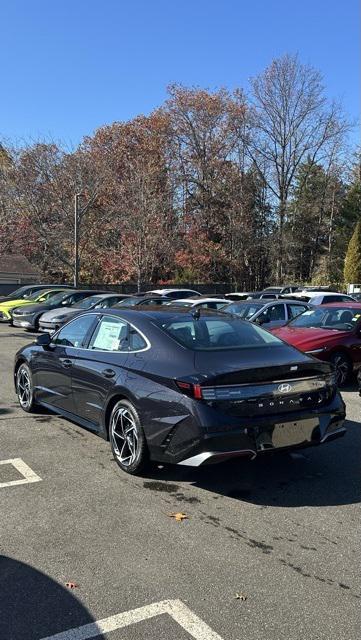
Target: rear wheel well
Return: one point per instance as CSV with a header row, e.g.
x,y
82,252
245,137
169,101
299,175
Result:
x,y
109,408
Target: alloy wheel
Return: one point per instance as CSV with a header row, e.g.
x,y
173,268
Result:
x,y
124,434
342,369
24,387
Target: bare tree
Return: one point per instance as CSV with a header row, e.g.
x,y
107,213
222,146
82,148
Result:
x,y
290,119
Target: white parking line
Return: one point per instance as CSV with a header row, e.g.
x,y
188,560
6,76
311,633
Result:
x,y
175,608
28,474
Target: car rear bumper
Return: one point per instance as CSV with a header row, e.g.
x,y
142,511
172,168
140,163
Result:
x,y
254,437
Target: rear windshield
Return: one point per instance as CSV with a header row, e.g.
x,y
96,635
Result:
x,y
212,333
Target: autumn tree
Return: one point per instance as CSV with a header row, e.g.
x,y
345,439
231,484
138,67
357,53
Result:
x,y
220,205
44,181
136,193
211,187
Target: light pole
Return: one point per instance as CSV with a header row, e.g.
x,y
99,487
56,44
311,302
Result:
x,y
76,238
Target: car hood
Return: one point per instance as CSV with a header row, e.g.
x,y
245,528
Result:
x,y
308,339
32,308
59,311
8,298
9,304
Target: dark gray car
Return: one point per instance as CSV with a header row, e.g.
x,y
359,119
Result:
x,y
275,313
54,319
28,316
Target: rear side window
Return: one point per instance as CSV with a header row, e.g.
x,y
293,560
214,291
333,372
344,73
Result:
x,y
208,334
136,341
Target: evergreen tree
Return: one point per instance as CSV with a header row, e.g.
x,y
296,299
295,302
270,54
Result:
x,y
352,271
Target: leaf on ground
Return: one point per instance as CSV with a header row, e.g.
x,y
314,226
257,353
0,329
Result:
x,y
71,585
241,596
178,516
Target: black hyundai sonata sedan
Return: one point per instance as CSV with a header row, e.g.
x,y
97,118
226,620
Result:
x,y
180,386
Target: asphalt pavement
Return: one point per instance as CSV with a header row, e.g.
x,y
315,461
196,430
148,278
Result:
x,y
270,549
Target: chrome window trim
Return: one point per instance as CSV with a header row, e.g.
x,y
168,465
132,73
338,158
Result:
x,y
148,344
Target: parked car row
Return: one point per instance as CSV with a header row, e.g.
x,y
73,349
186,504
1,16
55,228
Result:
x,y
328,334
188,380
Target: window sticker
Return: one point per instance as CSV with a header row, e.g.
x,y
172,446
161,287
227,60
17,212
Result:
x,y
109,336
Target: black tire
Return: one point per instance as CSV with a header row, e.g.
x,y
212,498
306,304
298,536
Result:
x,y
35,327
127,439
343,367
24,388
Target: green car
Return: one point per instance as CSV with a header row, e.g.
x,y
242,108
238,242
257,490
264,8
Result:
x,y
6,307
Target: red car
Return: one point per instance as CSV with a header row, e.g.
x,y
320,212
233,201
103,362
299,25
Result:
x,y
329,332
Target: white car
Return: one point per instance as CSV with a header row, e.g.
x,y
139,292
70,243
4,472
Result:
x,y
200,303
175,294
322,297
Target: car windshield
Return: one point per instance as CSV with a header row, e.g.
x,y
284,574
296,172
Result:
x,y
59,297
34,296
212,333
87,303
339,318
129,301
19,292
245,311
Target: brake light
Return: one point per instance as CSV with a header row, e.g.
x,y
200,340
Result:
x,y
197,390
192,390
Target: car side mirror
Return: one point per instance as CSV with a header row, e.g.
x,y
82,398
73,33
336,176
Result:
x,y
44,340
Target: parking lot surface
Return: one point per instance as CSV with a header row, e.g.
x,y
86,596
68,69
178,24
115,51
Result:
x,y
270,548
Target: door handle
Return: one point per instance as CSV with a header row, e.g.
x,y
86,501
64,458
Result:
x,y
108,373
66,362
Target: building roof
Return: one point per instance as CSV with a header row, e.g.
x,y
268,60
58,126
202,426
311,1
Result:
x,y
12,264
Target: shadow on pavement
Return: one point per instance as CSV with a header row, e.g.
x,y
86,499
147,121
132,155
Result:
x,y
5,410
33,606
319,476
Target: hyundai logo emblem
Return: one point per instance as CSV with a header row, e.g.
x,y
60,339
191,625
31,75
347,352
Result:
x,y
284,388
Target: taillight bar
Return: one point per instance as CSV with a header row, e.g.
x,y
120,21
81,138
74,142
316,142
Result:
x,y
192,390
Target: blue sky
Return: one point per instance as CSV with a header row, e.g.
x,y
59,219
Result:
x,y
70,66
